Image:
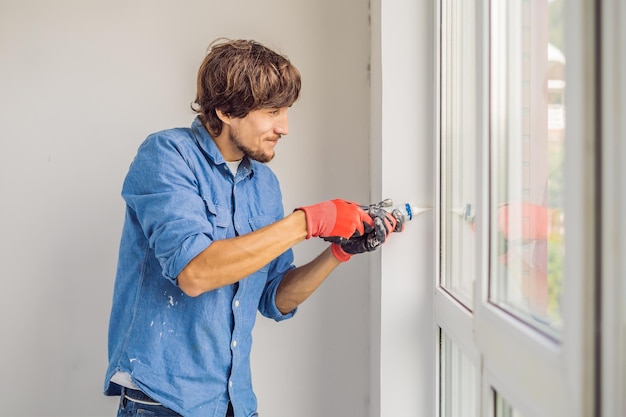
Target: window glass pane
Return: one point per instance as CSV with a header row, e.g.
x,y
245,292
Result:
x,y
459,391
527,143
504,409
458,144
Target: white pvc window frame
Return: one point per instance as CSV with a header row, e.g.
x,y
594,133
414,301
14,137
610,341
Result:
x,y
613,127
538,375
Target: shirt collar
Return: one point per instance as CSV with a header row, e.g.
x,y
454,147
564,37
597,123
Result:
x,y
208,145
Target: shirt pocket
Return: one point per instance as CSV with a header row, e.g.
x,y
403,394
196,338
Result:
x,y
219,217
257,223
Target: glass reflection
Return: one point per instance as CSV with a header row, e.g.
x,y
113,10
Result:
x,y
458,149
528,138
459,390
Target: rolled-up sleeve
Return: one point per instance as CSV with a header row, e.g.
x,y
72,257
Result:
x,y
161,188
267,304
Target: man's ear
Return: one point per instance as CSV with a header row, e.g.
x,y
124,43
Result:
x,y
224,117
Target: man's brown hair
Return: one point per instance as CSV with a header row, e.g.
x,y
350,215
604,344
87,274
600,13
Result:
x,y
238,76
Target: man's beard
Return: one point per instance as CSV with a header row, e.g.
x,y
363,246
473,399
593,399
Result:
x,y
257,155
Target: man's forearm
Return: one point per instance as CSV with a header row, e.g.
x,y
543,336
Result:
x,y
227,261
299,283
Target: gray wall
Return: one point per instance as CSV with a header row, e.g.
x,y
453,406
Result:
x,y
81,85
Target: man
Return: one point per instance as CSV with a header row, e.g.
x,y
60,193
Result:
x,y
205,243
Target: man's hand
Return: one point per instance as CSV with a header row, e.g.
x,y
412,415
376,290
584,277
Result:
x,y
336,220
384,224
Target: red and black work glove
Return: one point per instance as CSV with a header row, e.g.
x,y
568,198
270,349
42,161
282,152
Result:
x,y
385,223
336,220
379,209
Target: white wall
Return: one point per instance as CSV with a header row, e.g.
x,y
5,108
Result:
x,y
403,135
81,85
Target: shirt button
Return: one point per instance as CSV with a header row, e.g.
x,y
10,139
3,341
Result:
x,y
234,343
230,384
236,303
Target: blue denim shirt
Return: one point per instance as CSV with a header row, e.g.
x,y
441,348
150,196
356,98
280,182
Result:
x,y
190,354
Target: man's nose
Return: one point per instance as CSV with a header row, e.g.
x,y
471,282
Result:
x,y
282,124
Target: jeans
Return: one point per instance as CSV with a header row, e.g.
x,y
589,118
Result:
x,y
135,403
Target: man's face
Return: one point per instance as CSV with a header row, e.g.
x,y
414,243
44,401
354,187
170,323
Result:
x,y
258,133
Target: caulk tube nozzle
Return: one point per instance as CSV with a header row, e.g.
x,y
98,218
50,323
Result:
x,y
417,210
408,210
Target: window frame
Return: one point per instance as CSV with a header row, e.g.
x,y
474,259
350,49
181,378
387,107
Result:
x,y
613,127
509,354
451,315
